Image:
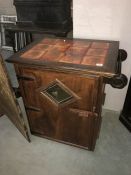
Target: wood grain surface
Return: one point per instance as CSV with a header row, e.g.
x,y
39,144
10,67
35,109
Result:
x,y
95,56
79,66
8,103
75,122
69,51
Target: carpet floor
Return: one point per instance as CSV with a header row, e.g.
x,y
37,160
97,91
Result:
x,y
112,155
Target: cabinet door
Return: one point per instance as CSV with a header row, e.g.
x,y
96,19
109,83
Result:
x,y
61,106
8,103
77,127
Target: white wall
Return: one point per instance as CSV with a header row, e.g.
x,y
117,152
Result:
x,y
7,8
106,19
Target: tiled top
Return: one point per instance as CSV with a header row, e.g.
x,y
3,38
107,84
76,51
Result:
x,y
83,52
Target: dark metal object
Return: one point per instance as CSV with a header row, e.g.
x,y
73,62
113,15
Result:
x,y
17,92
27,78
51,14
119,80
122,55
125,116
32,108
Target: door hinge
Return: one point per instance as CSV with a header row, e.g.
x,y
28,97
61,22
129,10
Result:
x,y
24,77
17,92
32,108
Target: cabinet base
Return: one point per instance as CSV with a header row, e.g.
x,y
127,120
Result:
x,y
60,141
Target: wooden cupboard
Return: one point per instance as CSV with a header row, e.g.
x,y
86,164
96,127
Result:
x,y
62,83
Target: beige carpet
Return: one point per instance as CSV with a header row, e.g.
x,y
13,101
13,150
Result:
x,y
112,155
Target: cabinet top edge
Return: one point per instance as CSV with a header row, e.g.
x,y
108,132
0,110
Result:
x,y
98,56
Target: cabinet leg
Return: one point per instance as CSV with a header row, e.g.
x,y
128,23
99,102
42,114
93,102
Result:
x,y
1,115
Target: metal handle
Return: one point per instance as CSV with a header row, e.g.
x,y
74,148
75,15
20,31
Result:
x,y
119,80
25,77
122,55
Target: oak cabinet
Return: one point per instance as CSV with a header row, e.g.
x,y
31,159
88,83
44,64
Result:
x,y
62,84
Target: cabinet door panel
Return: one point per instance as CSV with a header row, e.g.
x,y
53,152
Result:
x,y
84,87
8,103
77,127
71,122
45,121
